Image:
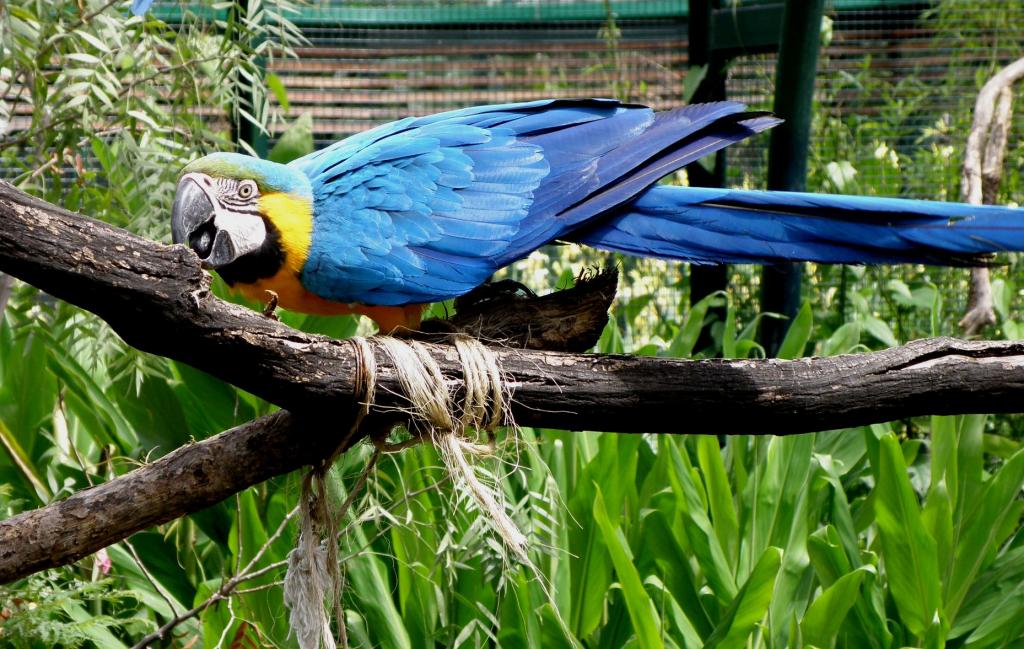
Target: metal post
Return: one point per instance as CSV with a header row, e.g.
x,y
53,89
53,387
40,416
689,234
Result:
x,y
787,153
705,280
242,129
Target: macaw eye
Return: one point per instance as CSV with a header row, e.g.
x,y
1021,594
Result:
x,y
247,189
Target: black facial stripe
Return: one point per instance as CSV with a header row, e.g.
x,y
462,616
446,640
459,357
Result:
x,y
259,264
241,208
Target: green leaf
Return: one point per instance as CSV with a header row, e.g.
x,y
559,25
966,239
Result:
x,y
683,629
368,576
981,535
772,495
89,402
684,342
844,340
908,551
729,330
277,87
720,497
879,330
642,613
698,529
820,624
827,556
694,75
82,57
992,593
1005,624
667,548
750,604
295,142
614,467
937,517
20,459
798,334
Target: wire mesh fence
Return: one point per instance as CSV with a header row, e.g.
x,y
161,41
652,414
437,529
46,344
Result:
x,y
894,98
895,89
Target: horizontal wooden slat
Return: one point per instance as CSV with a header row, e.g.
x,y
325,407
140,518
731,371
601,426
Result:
x,y
293,82
308,66
481,47
444,96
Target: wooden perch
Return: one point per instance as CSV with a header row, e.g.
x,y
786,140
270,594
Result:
x,y
509,314
158,299
186,480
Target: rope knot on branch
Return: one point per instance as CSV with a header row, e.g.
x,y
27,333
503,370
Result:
x,y
443,411
436,414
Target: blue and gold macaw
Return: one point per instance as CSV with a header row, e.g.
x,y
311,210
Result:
x,y
425,209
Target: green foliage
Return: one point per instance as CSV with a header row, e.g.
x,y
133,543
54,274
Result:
x,y
893,535
63,614
295,142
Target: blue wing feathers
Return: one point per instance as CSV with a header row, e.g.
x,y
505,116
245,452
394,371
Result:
x,y
427,208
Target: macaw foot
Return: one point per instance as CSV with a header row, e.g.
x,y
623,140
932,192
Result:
x,y
271,306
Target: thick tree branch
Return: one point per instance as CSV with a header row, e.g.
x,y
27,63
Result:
x,y
157,298
186,480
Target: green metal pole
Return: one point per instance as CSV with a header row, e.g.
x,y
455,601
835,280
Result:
x,y
243,129
705,280
787,152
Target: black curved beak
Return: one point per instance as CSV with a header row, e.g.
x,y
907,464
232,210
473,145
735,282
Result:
x,y
192,223
192,218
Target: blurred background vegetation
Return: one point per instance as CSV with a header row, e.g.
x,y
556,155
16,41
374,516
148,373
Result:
x,y
900,534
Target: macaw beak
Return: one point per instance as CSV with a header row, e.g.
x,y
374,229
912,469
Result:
x,y
193,224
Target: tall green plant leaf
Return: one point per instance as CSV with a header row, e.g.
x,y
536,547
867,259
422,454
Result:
x,y
983,532
749,606
908,551
798,334
820,624
642,614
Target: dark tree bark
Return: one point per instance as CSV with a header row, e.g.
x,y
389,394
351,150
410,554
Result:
x,y
158,299
184,481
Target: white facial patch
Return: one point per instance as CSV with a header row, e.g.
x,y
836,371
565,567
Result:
x,y
247,232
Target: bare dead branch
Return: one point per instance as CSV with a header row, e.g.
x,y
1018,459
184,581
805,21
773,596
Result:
x,y
983,169
157,298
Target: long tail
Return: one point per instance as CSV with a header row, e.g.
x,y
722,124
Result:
x,y
707,226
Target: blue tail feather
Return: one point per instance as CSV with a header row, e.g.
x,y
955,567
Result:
x,y
710,226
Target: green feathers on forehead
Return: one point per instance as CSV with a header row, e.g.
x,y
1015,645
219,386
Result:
x,y
269,176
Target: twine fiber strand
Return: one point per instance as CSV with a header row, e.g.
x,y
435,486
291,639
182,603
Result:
x,y
436,414
307,579
313,565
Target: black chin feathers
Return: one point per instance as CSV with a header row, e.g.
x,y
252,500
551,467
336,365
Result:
x,y
262,263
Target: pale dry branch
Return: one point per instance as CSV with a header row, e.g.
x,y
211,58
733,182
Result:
x,y
983,169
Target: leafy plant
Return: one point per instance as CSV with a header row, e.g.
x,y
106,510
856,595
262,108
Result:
x,y
902,534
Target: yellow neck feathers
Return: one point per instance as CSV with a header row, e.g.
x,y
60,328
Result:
x,y
293,218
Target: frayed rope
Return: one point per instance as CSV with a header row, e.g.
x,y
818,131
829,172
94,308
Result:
x,y
434,415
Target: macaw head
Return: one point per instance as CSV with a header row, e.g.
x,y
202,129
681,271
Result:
x,y
242,215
